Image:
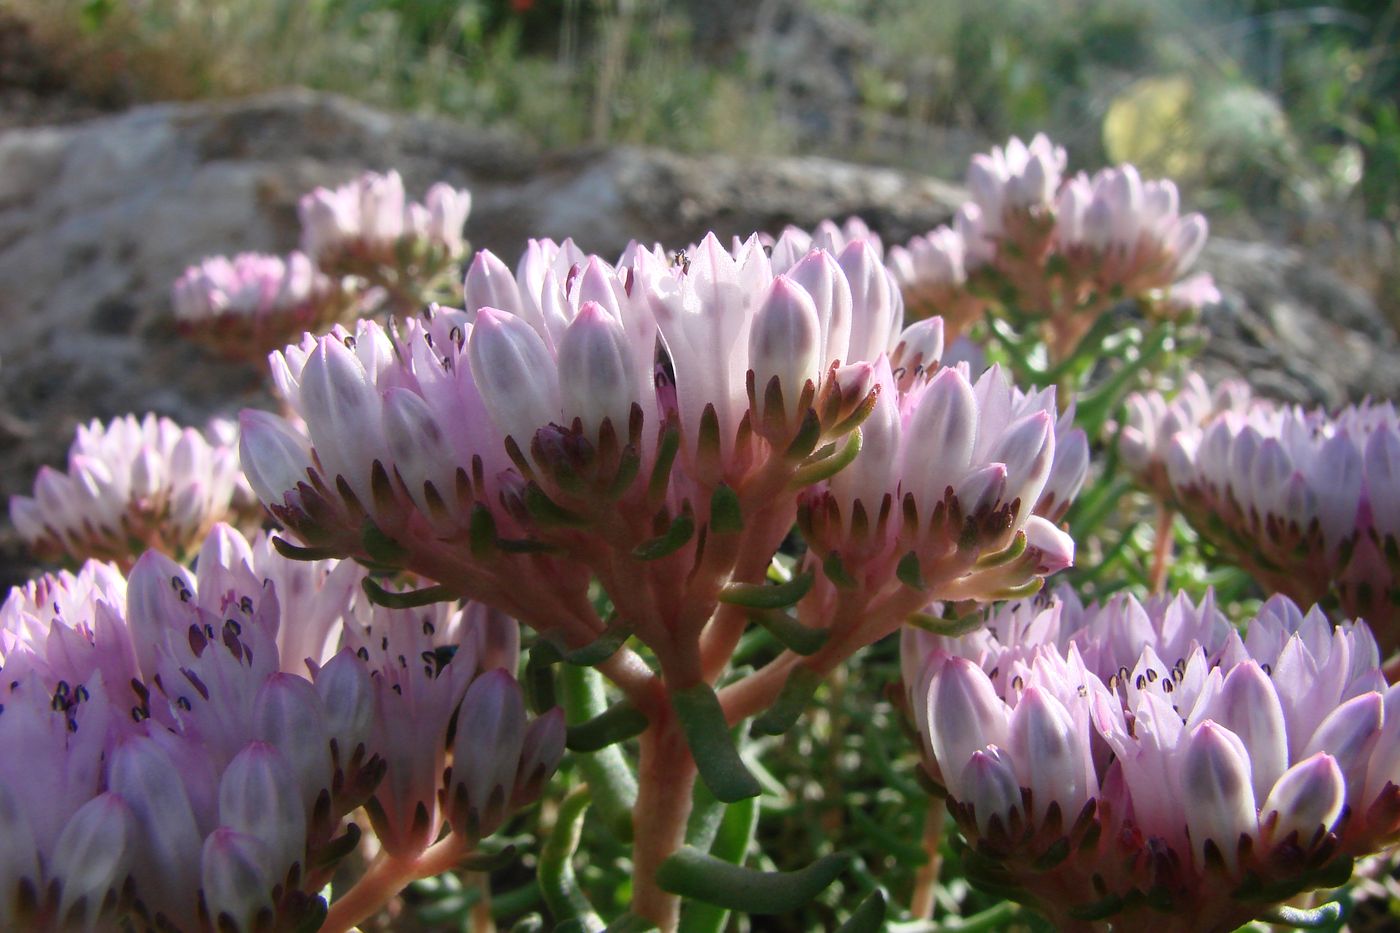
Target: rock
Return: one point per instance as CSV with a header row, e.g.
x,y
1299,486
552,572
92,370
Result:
x,y
1294,329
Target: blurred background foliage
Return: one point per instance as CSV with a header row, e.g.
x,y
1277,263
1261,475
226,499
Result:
x,y
1256,106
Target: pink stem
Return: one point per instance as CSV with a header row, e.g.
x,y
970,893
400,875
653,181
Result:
x,y
1162,551
386,878
665,780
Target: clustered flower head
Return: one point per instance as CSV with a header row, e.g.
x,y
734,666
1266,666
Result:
x,y
1145,764
1054,250
196,775
132,484
243,306
1153,420
652,408
369,222
932,270
953,483
1307,502
1124,233
1015,185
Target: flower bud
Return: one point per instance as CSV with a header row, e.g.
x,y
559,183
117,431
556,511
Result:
x,y
1250,709
287,715
273,456
167,844
1053,547
347,696
343,415
486,753
1052,755
1348,734
784,344
598,377
821,277
966,716
19,857
877,311
1215,777
939,435
418,447
1027,448
490,284
542,750
516,375
920,348
237,890
258,796
1308,797
91,859
992,788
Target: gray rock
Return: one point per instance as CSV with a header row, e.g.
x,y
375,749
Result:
x,y
1294,329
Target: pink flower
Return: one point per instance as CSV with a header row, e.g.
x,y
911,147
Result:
x,y
1166,763
1153,421
190,764
932,271
245,306
130,484
949,474
1019,178
1301,499
1126,233
369,221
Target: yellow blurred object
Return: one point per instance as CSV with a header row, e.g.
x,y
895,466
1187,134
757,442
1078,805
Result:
x,y
1150,125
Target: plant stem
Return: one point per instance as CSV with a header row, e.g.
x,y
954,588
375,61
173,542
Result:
x,y
665,779
921,900
386,878
481,919
1162,552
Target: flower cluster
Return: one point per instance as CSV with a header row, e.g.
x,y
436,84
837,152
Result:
x,y
932,270
242,306
370,222
130,485
197,775
1145,764
1307,502
628,420
1054,250
950,486
365,250
1152,421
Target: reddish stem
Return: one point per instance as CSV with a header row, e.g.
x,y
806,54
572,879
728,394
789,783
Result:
x,y
665,781
1162,551
921,901
386,878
